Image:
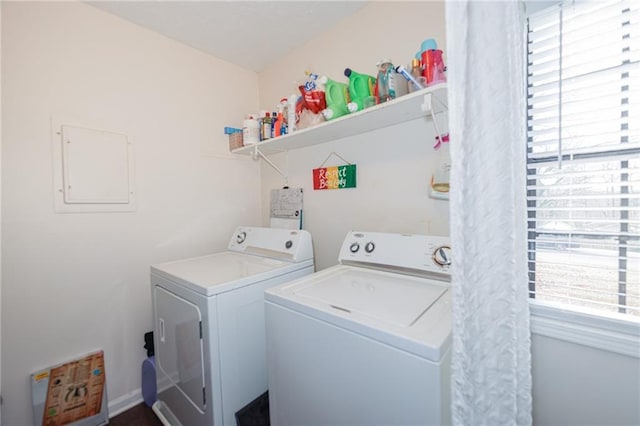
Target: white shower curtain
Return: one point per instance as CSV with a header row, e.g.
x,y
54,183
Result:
x,y
491,358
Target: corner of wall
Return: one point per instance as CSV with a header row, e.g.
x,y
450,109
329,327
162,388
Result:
x,y
0,215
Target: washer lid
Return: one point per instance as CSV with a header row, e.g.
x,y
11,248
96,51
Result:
x,y
399,301
406,312
220,272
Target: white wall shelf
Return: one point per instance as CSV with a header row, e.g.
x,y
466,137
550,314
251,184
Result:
x,y
405,108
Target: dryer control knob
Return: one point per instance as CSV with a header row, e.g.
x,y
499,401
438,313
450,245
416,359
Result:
x,y
442,256
288,244
369,247
354,247
241,237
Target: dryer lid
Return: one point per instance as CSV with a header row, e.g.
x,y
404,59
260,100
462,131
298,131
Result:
x,y
392,298
220,272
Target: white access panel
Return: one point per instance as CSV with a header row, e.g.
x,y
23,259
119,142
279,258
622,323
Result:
x,y
93,170
96,166
180,351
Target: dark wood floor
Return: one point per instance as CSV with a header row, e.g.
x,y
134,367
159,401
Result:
x,y
140,415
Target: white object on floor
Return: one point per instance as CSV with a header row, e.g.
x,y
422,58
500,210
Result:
x,y
165,417
209,323
366,342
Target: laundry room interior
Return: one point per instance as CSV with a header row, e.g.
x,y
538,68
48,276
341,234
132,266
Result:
x,y
76,280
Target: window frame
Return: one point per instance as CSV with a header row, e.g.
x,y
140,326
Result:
x,y
619,333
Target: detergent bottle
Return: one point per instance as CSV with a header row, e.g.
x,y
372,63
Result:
x,y
336,96
361,88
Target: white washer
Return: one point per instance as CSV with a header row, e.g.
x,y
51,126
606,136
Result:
x,y
209,327
366,342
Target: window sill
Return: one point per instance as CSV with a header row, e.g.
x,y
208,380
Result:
x,y
612,334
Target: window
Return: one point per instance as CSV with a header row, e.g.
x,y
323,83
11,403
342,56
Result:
x,y
583,156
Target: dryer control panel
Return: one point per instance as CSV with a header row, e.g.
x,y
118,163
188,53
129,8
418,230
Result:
x,y
398,252
284,244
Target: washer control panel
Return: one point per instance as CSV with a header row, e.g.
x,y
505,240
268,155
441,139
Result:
x,y
397,251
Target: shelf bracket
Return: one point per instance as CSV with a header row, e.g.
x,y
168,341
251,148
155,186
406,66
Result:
x,y
427,107
257,154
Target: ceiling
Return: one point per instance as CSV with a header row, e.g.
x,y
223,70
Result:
x,y
251,34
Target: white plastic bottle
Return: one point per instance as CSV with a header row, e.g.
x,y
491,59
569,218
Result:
x,y
385,90
250,130
291,112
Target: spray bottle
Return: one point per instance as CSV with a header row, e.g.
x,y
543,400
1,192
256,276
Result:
x,y
280,126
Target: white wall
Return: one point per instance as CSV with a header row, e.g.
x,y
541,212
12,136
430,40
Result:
x,y
394,165
580,385
76,282
0,214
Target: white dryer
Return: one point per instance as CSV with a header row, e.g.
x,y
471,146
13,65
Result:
x,y
365,342
209,327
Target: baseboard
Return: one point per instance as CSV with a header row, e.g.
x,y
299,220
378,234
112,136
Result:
x,y
124,402
131,399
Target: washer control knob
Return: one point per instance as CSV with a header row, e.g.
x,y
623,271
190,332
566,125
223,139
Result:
x,y
288,244
442,256
354,247
241,237
369,247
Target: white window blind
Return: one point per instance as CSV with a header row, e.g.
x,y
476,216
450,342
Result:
x,y
583,155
